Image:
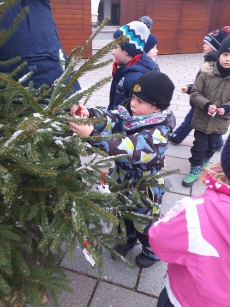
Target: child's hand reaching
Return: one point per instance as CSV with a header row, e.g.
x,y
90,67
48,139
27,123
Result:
x,y
81,129
75,110
80,111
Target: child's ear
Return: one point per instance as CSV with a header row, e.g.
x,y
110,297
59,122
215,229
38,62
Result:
x,y
156,109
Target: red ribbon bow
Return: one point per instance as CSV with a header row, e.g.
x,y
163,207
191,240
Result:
x,y
103,180
79,111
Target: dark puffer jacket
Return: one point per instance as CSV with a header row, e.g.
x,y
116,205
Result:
x,y
36,41
210,87
125,77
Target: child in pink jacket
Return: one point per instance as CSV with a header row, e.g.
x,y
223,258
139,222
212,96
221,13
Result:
x,y
194,239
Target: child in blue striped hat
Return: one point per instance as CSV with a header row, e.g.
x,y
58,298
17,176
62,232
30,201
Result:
x,y
130,62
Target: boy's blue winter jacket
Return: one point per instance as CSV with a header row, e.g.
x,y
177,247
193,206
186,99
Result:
x,y
125,77
36,41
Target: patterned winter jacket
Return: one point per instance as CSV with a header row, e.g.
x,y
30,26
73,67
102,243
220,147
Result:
x,y
210,87
194,239
124,78
146,141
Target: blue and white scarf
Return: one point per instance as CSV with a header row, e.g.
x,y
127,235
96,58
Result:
x,y
134,122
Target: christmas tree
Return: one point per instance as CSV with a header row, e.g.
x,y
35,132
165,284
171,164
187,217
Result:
x,y
48,195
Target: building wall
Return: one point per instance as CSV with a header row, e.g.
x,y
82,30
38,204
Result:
x,y
220,16
179,25
73,20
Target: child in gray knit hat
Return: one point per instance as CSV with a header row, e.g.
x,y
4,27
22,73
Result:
x,y
130,61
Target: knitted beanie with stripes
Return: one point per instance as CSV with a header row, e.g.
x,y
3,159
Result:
x,y
215,38
138,34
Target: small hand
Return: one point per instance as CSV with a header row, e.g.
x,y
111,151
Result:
x,y
75,108
81,129
212,108
184,89
220,111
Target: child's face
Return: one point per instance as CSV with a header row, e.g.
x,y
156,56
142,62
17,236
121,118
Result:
x,y
224,59
153,52
120,56
140,107
207,49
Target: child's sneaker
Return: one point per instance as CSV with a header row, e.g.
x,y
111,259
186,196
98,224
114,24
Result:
x,y
189,180
123,249
206,163
145,261
192,176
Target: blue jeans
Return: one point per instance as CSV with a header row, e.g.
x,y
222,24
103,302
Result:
x,y
185,128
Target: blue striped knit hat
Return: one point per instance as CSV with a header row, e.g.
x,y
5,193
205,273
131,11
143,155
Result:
x,y
137,33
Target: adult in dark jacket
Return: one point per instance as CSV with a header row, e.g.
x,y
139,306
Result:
x,y
36,41
130,62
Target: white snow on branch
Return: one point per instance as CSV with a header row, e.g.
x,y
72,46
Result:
x,y
44,130
59,142
37,115
14,136
47,120
74,211
23,78
6,177
56,126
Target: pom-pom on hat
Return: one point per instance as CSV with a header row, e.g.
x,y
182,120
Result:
x,y
215,38
225,158
147,21
225,46
155,88
151,42
137,32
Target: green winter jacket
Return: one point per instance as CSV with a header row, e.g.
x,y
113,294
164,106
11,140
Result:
x,y
210,87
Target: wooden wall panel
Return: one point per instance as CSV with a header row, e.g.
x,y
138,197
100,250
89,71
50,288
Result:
x,y
220,15
73,20
179,25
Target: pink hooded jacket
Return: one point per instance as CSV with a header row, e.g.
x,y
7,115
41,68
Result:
x,y
194,239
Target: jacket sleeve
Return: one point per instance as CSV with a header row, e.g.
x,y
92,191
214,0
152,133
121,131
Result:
x,y
168,237
110,124
196,96
143,147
